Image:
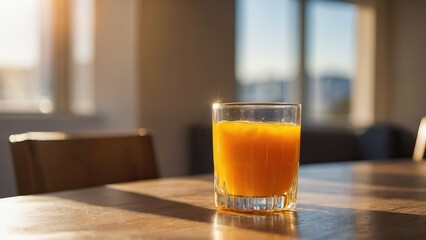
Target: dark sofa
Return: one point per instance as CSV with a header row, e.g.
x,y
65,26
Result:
x,y
321,144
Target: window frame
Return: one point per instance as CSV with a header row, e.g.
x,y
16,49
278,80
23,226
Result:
x,y
357,116
56,62
61,35
303,71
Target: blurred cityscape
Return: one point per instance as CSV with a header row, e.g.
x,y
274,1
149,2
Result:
x,y
264,91
329,94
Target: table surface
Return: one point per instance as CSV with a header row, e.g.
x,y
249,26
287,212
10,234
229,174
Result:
x,y
374,200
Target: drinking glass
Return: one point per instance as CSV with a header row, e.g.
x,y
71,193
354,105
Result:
x,y
256,148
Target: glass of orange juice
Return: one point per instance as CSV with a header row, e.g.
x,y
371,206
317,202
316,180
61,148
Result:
x,y
256,148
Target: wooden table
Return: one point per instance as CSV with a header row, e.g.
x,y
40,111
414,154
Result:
x,y
380,200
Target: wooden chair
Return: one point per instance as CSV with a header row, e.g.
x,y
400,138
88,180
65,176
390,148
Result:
x,y
420,147
56,161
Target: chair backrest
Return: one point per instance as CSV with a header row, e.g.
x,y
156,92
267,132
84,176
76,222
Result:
x,y
420,147
56,161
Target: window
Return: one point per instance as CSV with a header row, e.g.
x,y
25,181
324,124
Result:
x,y
267,50
303,51
330,42
82,75
22,87
46,56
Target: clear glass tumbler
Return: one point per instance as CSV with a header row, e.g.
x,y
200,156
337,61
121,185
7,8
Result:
x,y
256,148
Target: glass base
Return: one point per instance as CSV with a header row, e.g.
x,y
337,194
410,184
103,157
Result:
x,y
255,204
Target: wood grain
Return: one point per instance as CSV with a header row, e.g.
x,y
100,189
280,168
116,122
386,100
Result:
x,y
365,200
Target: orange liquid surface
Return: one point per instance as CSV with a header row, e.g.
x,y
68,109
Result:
x,y
256,159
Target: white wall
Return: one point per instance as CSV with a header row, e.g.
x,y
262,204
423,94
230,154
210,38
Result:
x,y
186,63
116,87
407,68
116,63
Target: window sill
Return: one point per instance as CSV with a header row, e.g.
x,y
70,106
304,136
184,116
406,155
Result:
x,y
43,116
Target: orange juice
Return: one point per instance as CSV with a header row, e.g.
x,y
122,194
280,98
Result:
x,y
256,159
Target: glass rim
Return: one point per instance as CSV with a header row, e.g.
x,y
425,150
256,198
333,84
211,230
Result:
x,y
255,104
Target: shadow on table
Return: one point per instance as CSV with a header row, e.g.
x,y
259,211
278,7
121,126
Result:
x,y
321,222
309,221
389,194
373,183
374,175
137,202
283,224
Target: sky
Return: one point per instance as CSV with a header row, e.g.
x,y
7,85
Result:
x,y
19,27
20,32
267,39
331,38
